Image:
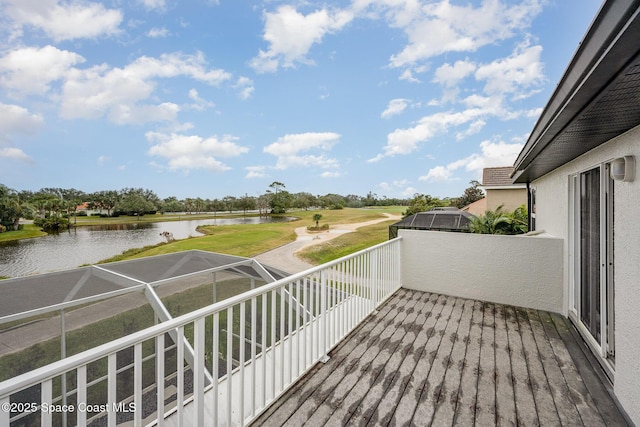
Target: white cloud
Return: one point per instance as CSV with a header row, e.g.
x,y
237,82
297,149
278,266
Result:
x,y
255,172
405,141
186,152
437,28
103,159
449,75
491,154
17,120
291,35
518,75
138,114
157,33
15,154
395,107
199,104
63,20
245,85
154,4
398,186
118,92
31,70
521,70
408,76
289,148
437,174
330,174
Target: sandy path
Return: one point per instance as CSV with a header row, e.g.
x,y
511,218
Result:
x,y
285,257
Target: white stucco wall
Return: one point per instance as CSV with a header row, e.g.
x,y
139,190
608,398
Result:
x,y
552,215
514,270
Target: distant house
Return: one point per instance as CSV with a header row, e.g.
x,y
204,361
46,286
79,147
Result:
x,y
479,207
500,189
580,166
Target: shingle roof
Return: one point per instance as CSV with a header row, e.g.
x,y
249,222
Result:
x,y
497,176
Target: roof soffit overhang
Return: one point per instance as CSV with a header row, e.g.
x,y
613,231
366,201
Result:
x,y
597,98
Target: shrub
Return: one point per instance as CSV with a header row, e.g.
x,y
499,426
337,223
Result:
x,y
499,222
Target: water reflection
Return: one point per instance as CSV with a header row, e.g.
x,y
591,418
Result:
x,y
87,245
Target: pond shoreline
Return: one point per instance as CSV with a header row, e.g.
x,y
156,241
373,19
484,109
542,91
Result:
x,y
91,244
121,220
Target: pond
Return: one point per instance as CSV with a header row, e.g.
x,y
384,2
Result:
x,y
88,245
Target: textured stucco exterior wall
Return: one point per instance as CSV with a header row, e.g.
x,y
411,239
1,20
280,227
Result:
x,y
552,215
509,198
515,270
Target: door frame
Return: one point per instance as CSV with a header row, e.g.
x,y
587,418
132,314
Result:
x,y
604,348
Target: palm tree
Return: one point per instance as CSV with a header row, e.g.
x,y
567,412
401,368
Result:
x,y
317,217
490,222
499,222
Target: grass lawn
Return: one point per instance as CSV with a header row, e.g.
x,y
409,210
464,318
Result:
x,y
347,243
28,231
249,240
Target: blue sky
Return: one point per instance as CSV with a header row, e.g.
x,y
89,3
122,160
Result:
x,y
206,98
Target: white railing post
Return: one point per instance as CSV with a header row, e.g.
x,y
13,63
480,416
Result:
x,y
46,396
179,375
160,378
5,411
81,399
199,370
323,317
215,355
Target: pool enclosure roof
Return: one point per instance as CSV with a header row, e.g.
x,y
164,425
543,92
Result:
x,y
34,295
440,219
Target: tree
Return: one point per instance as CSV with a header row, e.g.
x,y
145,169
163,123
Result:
x,y
104,200
263,203
10,209
172,204
304,200
332,201
499,222
134,203
317,217
281,200
470,195
423,203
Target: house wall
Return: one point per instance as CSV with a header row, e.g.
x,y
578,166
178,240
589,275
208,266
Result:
x,y
509,198
552,215
485,267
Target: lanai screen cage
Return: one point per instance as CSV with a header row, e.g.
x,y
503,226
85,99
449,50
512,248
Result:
x,y
48,317
438,219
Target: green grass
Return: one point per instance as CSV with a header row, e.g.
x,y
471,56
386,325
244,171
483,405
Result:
x,y
249,240
28,231
347,244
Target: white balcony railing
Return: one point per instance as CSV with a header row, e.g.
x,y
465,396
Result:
x,y
263,341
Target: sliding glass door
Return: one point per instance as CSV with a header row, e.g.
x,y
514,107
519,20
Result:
x,y
591,240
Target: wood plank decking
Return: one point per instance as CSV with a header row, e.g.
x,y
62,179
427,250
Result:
x,y
428,359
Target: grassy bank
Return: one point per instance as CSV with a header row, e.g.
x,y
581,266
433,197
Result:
x,y
249,240
28,231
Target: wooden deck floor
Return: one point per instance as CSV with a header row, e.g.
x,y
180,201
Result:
x,y
427,359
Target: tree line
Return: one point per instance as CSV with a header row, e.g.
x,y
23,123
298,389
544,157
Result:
x,y
53,208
